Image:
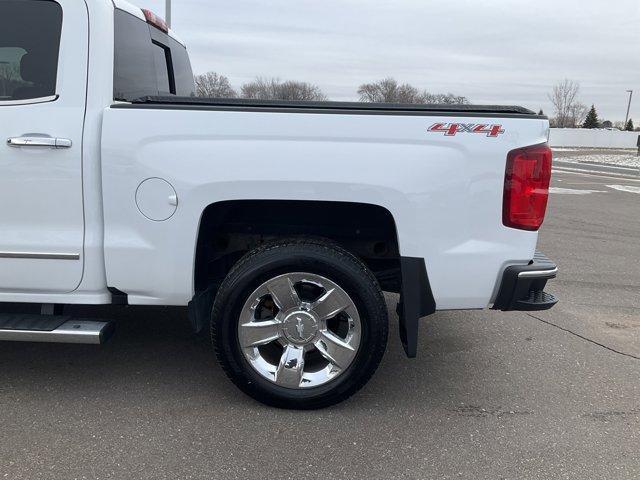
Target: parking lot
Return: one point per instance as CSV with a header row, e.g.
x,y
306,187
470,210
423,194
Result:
x,y
492,395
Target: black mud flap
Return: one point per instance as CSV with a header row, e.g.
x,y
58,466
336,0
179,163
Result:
x,y
199,308
416,301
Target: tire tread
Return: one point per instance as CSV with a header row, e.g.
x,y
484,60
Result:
x,y
305,245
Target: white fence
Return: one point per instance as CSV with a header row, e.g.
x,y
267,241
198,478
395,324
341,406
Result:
x,y
592,138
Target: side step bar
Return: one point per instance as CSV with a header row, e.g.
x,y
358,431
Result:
x,y
53,329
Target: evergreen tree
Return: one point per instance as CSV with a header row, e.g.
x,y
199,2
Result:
x,y
540,112
629,126
592,119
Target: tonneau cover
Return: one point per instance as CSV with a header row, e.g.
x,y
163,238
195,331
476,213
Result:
x,y
240,103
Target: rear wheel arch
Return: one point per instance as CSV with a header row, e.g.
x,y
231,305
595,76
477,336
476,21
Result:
x,y
229,229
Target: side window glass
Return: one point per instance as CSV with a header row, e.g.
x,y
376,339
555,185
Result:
x,y
134,65
185,85
29,44
147,61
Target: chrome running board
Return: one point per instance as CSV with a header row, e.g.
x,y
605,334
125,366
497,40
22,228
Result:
x,y
53,329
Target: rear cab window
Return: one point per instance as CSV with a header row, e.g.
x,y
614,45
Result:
x,y
148,61
29,43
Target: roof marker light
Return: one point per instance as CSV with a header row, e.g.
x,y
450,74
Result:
x,y
156,21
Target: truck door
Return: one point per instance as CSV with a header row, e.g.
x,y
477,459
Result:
x,y
43,83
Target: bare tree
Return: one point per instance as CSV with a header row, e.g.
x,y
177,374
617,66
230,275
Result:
x,y
569,112
578,114
213,85
445,98
389,90
275,89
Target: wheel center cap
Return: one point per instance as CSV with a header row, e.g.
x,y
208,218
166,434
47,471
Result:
x,y
300,327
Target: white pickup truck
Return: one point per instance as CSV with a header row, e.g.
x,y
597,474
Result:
x,y
278,224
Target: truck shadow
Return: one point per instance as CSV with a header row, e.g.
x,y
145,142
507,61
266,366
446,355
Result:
x,y
154,354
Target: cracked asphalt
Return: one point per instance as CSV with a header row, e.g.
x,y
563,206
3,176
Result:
x,y
492,395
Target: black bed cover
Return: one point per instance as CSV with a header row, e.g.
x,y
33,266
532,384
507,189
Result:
x,y
175,102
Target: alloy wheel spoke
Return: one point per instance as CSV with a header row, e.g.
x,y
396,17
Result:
x,y
297,326
283,293
330,304
254,334
291,367
334,349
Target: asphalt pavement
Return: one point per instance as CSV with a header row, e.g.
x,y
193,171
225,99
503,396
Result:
x,y
491,395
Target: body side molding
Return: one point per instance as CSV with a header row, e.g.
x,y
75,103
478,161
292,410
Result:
x,y
41,256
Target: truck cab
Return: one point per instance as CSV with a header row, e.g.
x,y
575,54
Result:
x,y
48,107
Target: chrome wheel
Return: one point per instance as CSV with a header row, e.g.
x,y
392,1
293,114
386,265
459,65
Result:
x,y
299,330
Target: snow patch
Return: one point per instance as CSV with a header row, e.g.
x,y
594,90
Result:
x,y
628,160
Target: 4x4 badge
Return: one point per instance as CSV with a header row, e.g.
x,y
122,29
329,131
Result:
x,y
452,129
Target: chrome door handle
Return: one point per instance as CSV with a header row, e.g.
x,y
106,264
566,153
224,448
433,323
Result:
x,y
50,142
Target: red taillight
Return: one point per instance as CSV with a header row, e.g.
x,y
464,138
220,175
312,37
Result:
x,y
526,187
155,20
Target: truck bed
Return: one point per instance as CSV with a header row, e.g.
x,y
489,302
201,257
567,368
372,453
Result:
x,y
360,108
445,192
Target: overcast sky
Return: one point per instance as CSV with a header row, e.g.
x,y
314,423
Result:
x,y
506,52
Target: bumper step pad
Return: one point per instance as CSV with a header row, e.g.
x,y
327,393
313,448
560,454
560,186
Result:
x,y
537,300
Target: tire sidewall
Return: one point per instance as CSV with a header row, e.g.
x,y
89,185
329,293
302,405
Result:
x,y
347,272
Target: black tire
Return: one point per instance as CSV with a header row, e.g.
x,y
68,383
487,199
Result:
x,y
311,256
